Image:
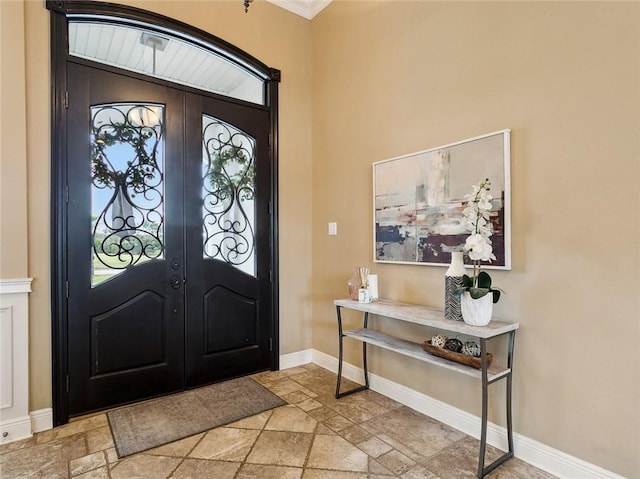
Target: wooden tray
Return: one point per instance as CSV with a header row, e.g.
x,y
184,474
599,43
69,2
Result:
x,y
457,357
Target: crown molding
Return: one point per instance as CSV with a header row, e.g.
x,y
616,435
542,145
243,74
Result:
x,y
305,8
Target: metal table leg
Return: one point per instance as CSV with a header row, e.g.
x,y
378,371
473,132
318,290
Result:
x,y
341,355
482,470
485,397
512,340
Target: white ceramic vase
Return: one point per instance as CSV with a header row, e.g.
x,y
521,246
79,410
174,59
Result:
x,y
476,312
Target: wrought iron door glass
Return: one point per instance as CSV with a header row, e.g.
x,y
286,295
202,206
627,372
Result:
x,y
228,212
127,193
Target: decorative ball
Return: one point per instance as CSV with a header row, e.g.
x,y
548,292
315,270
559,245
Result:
x,y
471,348
439,340
454,345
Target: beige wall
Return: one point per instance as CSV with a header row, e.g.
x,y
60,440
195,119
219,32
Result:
x,y
391,78
13,144
395,77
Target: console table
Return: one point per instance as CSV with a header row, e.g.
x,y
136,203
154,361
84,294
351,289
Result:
x,y
434,318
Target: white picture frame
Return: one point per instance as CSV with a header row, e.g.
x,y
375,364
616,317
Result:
x,y
418,200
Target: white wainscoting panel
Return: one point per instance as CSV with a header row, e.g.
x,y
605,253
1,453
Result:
x,y
6,357
15,421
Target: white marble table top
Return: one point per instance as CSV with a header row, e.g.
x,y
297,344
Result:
x,y
427,316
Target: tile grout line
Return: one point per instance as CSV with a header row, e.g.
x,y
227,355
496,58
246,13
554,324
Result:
x,y
313,441
244,461
185,456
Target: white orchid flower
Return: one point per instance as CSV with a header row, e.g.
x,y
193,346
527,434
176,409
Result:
x,y
484,204
479,248
476,217
469,212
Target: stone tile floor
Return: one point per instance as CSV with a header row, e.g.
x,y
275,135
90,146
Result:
x,y
315,436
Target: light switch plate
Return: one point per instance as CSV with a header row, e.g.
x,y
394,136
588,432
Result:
x,y
333,229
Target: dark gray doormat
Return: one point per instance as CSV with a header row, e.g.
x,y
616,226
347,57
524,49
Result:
x,y
159,421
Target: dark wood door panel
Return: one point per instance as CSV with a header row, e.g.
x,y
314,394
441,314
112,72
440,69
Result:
x,y
229,324
230,320
137,329
122,331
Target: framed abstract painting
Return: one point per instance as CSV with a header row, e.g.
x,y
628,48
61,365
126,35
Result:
x,y
419,198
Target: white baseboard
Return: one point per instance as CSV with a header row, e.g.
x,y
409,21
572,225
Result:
x,y
533,452
42,419
24,427
292,360
15,429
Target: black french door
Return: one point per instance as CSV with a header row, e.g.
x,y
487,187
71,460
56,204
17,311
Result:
x,y
228,292
167,239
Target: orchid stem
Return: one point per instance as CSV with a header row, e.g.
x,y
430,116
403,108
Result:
x,y
476,268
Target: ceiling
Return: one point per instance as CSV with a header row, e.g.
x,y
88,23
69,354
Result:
x,y
169,58
305,8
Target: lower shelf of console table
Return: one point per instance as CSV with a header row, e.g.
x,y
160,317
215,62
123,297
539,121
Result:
x,y
416,351
434,318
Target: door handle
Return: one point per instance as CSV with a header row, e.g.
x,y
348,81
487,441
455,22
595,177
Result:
x,y
175,281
